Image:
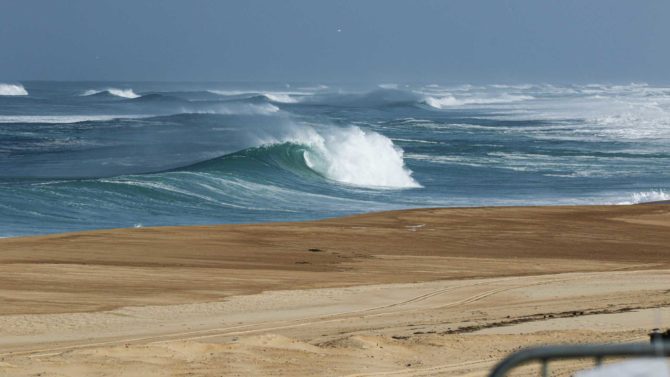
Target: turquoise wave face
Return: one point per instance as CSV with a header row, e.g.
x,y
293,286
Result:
x,y
272,183
101,155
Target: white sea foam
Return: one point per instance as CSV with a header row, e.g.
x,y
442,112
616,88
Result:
x,y
612,119
355,157
446,101
547,165
647,196
279,97
517,86
229,92
593,112
388,86
125,93
12,90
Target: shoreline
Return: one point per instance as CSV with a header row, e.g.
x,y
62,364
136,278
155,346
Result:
x,y
344,217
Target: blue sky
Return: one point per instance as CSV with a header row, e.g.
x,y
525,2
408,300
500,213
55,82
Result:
x,y
365,41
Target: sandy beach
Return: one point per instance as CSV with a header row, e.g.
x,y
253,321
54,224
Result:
x,y
405,293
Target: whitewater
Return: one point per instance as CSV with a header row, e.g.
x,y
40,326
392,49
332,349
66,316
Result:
x,y
77,156
12,90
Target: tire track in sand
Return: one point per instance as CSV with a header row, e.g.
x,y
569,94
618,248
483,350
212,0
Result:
x,y
303,322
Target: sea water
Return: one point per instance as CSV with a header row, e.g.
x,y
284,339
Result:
x,y
88,155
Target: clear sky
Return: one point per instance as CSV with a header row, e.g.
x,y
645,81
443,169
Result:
x,y
336,41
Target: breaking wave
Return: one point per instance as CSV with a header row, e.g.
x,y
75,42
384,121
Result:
x,y
278,97
446,101
232,108
12,90
355,157
349,156
124,93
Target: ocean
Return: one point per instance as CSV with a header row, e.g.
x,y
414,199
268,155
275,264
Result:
x,y
91,155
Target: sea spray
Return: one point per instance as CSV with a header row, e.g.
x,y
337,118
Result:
x,y
449,101
647,197
353,156
12,90
233,108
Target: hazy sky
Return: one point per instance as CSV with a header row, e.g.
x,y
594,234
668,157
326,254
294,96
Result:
x,y
329,41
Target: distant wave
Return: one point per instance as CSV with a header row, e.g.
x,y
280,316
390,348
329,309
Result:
x,y
390,95
446,101
385,95
124,93
279,97
233,108
61,119
157,98
12,90
388,86
375,98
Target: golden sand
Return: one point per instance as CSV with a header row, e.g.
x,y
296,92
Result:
x,y
404,293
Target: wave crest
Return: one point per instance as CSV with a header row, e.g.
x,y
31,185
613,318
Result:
x,y
237,109
350,156
12,90
355,157
124,93
446,101
278,97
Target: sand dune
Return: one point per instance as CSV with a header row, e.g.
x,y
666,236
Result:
x,y
406,293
